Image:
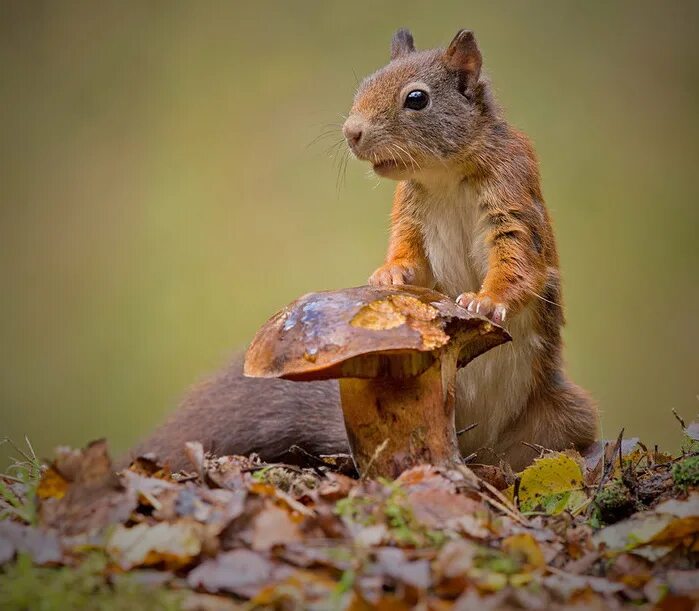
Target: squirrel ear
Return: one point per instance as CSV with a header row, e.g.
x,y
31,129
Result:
x,y
463,55
402,43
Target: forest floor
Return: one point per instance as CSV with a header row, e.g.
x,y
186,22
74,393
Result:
x,y
616,527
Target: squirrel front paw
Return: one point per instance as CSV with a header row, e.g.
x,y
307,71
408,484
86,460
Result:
x,y
394,273
483,304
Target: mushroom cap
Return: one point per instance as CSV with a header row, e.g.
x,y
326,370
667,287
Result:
x,y
367,332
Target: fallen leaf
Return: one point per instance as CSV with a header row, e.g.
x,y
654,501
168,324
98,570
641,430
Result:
x,y
566,585
692,430
274,526
659,531
424,477
301,589
242,572
52,485
439,508
392,562
335,486
684,583
148,466
42,546
526,548
554,482
172,544
95,497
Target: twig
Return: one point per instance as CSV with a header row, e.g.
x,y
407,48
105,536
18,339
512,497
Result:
x,y
293,503
380,448
607,468
540,450
679,419
467,429
469,458
506,510
314,461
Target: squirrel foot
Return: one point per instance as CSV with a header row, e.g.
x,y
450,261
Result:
x,y
483,304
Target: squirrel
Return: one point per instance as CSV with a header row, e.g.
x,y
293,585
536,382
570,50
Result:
x,y
469,220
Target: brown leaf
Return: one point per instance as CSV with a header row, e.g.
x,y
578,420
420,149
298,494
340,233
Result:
x,y
335,487
442,509
274,526
424,477
302,589
147,465
172,544
242,572
492,474
95,497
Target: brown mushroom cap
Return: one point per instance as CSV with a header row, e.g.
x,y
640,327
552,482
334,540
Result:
x,y
366,332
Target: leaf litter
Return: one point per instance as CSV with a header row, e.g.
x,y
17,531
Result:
x,y
616,527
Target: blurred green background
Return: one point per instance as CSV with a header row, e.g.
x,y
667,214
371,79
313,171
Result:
x,y
162,193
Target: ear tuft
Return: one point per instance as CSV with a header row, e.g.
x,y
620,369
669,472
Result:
x,y
402,43
463,55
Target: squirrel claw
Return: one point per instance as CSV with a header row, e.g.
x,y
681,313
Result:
x,y
484,305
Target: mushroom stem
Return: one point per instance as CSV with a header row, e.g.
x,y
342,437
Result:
x,y
414,416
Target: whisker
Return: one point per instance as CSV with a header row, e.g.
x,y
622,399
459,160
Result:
x,y
325,134
544,299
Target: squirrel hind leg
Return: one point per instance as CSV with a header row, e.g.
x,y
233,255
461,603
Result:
x,y
561,417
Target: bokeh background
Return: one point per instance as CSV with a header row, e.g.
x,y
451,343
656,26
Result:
x,y
162,191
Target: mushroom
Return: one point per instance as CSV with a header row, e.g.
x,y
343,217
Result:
x,y
395,351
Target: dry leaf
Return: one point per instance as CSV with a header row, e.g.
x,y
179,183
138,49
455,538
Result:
x,y
172,544
42,546
242,572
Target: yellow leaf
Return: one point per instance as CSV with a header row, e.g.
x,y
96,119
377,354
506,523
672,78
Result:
x,y
52,485
554,474
526,547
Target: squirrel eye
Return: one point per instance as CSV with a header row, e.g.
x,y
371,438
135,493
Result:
x,y
416,100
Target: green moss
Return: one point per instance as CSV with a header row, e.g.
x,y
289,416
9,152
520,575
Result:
x,y
613,502
86,587
685,473
287,480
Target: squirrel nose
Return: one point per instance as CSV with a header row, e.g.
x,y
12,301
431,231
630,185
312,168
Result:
x,y
353,130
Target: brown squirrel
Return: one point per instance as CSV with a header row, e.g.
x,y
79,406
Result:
x,y
468,219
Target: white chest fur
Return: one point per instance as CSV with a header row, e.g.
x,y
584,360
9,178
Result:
x,y
453,235
494,388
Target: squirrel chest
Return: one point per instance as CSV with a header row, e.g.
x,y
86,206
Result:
x,y
493,389
453,234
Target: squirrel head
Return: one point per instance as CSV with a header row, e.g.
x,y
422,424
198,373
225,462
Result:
x,y
422,111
